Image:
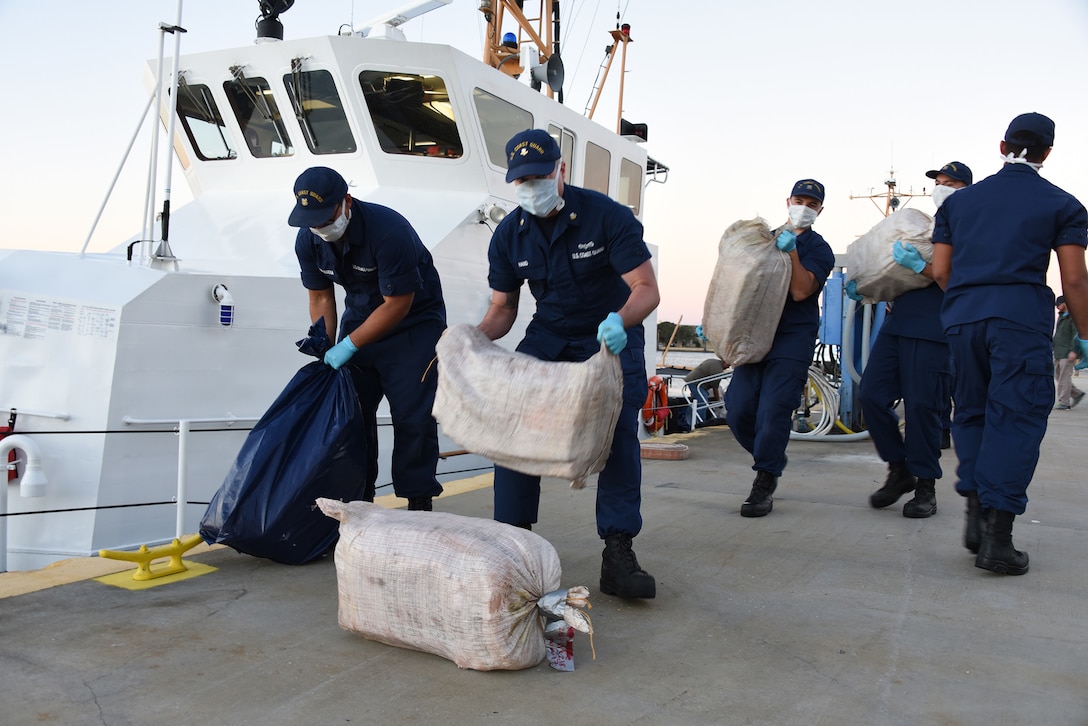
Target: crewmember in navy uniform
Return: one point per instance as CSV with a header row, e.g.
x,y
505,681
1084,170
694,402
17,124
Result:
x,y
910,361
762,396
394,315
590,272
1066,354
992,246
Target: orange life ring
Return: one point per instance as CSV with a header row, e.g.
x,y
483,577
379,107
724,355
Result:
x,y
656,408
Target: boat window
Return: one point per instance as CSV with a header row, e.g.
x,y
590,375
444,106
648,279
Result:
x,y
631,184
598,160
199,116
499,120
566,148
258,115
412,114
319,111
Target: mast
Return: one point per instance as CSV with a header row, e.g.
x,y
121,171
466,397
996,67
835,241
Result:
x,y
535,47
892,197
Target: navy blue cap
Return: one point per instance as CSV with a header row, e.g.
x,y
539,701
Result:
x,y
532,152
1031,130
809,188
953,170
317,192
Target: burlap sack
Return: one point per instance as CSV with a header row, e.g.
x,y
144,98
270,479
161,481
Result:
x,y
869,260
533,416
747,293
459,587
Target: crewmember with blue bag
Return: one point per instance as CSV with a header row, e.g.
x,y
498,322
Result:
x,y
394,315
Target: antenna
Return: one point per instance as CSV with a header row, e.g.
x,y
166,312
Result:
x,y
893,198
400,17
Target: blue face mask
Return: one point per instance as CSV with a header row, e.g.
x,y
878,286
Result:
x,y
539,196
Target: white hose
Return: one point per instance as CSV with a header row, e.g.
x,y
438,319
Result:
x,y
829,400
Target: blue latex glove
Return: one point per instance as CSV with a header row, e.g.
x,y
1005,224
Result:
x,y
907,256
340,353
852,291
787,241
699,332
1081,346
611,333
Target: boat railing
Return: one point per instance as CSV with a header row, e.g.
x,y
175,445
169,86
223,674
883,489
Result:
x,y
183,430
715,406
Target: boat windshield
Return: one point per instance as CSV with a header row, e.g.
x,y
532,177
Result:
x,y
412,114
499,120
630,185
598,162
258,115
199,116
566,147
319,111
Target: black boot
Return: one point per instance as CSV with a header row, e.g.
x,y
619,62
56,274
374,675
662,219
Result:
x,y
898,483
620,574
420,504
924,503
759,502
995,551
972,532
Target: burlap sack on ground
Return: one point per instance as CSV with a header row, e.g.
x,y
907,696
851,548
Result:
x,y
459,587
537,417
747,293
869,260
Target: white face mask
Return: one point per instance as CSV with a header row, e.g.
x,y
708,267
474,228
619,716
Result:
x,y
942,192
801,216
539,196
335,229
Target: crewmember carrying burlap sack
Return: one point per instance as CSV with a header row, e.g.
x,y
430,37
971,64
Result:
x,y
593,279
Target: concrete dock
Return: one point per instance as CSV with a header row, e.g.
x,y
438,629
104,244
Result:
x,y
825,612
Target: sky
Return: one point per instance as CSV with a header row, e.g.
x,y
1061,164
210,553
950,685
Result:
x,y
741,99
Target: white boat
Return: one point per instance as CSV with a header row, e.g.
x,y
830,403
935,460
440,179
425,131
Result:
x,y
131,377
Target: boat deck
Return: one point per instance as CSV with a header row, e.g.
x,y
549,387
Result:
x,y
825,612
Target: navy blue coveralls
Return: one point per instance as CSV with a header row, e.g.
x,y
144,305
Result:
x,y
574,264
761,397
909,360
997,314
381,255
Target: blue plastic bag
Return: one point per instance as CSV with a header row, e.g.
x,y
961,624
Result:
x,y
310,443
